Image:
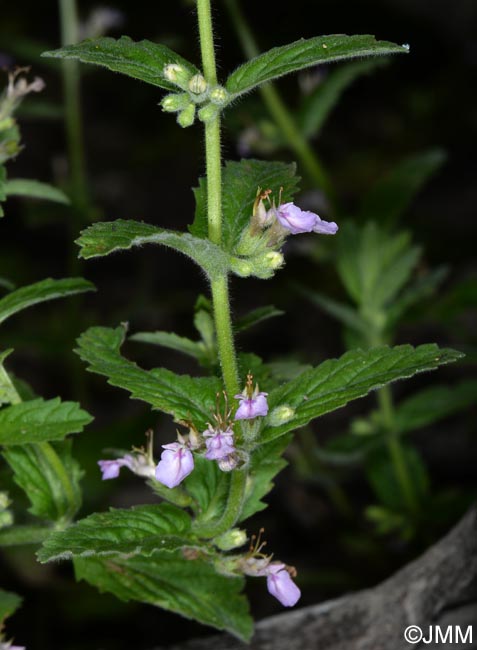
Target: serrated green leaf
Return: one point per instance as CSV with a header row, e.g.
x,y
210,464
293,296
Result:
x,y
265,463
240,181
41,420
304,54
39,292
104,238
9,603
374,264
256,316
183,396
336,382
50,477
140,530
142,60
191,588
35,190
433,404
318,105
391,196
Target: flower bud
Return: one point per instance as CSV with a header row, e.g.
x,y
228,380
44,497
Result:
x,y
231,539
177,74
208,113
187,116
198,85
219,96
240,267
274,260
175,102
281,415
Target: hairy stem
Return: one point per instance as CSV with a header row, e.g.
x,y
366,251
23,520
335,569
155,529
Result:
x,y
219,285
278,109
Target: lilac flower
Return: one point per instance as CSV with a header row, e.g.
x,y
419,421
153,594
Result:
x,y
251,407
176,463
279,582
281,586
292,218
138,464
220,444
110,468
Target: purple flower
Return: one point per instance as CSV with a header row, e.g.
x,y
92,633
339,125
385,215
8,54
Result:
x,y
176,463
281,586
292,218
251,407
110,468
323,227
138,464
220,444
295,220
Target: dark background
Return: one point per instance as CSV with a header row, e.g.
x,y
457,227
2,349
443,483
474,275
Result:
x,y
140,166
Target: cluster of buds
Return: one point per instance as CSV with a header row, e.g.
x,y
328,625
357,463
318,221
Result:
x,y
17,89
258,252
216,443
6,516
197,96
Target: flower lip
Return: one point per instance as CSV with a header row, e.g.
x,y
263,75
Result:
x,y
251,407
220,444
294,219
281,586
176,463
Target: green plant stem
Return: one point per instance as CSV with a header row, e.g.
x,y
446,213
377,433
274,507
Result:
x,y
395,449
219,285
278,109
232,511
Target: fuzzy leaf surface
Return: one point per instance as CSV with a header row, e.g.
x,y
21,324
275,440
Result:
x,y
183,396
304,54
240,181
140,530
142,60
191,588
336,382
35,190
49,476
39,292
104,238
40,420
